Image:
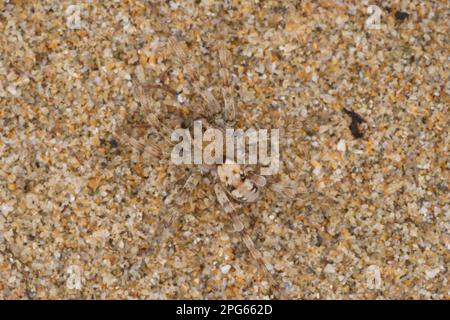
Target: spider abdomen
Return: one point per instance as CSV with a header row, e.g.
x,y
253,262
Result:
x,y
237,184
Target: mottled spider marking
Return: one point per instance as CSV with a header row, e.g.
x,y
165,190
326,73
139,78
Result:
x,y
237,183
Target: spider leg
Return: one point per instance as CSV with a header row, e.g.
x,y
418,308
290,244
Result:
x,y
227,89
167,216
239,227
162,87
149,148
286,190
188,187
161,130
213,106
170,213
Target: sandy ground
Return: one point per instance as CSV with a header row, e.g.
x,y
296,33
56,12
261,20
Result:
x,y
78,207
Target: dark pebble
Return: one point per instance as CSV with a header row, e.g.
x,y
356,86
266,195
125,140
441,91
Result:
x,y
113,143
356,120
401,16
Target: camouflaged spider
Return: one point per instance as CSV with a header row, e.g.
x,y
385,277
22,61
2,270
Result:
x,y
234,183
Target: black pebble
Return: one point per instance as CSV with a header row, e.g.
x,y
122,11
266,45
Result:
x,y
401,16
113,143
354,116
356,120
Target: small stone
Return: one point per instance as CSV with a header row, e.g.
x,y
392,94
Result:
x,y
94,182
113,143
12,90
341,145
330,268
401,16
373,277
225,268
2,90
180,98
6,208
102,233
317,171
31,201
430,274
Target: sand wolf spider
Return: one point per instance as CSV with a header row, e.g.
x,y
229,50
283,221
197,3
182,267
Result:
x,y
234,184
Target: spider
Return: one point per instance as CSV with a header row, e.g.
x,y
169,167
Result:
x,y
234,184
